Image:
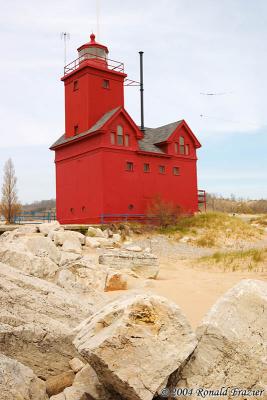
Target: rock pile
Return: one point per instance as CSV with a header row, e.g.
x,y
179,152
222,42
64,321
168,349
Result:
x,y
37,320
62,337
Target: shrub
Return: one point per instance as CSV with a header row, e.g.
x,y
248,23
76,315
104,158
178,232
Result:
x,y
164,213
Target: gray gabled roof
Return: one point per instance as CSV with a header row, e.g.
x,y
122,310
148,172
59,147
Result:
x,y
98,125
152,136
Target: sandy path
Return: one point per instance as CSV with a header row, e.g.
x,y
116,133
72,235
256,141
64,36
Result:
x,y
194,290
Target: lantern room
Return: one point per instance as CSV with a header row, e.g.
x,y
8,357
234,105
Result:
x,y
93,51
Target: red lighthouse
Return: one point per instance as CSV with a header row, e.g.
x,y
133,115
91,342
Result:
x,y
105,165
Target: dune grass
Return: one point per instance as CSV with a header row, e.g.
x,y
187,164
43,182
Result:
x,y
262,220
213,229
243,260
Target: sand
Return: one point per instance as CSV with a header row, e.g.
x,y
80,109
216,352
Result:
x,y
195,290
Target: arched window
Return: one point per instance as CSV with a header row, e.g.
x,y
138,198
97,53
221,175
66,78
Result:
x,y
112,138
181,145
126,140
119,135
187,151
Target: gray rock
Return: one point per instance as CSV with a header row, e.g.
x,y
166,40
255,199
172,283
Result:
x,y
72,246
38,245
92,242
67,258
60,237
138,264
40,266
47,227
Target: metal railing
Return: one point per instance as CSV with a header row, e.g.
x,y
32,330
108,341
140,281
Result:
x,y
36,217
110,64
142,218
202,198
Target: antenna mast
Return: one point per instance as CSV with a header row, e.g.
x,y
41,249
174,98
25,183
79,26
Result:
x,y
98,19
65,36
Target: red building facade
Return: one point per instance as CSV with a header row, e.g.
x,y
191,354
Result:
x,y
105,165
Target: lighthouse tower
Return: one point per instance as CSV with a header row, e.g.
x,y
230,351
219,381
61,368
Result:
x,y
92,87
107,168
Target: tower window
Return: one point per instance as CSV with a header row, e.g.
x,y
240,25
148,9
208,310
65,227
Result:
x,y
176,171
162,169
187,149
75,85
181,143
146,168
129,166
119,135
112,138
76,129
176,148
126,140
105,84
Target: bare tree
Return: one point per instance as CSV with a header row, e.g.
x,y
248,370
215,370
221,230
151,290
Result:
x,y
9,205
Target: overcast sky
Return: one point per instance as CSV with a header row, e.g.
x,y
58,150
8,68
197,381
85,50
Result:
x,y
191,47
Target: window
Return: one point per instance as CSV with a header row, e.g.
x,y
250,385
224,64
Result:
x,y
187,149
119,135
126,140
129,166
76,129
162,169
176,148
105,84
176,171
181,143
75,85
112,138
146,168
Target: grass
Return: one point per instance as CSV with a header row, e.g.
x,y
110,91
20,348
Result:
x,y
260,220
248,260
213,229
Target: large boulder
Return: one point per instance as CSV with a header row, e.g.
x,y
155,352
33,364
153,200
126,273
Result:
x,y
92,242
139,264
72,246
60,237
18,382
82,275
17,256
47,227
95,232
68,257
37,320
231,351
135,343
43,246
